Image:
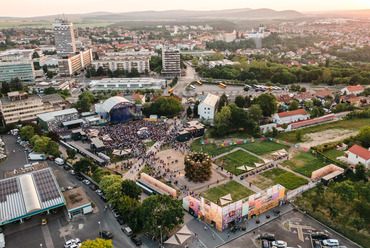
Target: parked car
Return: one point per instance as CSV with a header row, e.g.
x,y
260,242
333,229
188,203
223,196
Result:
x,y
44,221
72,172
319,235
72,243
103,198
106,234
116,213
79,177
265,244
59,161
93,187
66,167
330,242
120,221
87,182
279,244
99,192
127,230
268,236
316,244
136,240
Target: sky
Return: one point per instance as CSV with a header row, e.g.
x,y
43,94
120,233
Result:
x,y
26,8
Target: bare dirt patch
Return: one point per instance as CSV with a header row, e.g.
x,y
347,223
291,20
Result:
x,y
331,135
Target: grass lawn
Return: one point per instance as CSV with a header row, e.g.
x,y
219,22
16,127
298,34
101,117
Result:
x,y
263,147
210,149
305,163
279,176
236,159
150,143
237,191
333,153
115,159
352,124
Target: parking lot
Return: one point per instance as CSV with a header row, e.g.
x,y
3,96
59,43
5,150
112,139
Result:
x,y
59,227
296,234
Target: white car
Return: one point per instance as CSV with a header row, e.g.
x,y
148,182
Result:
x,y
330,242
279,244
99,192
72,243
69,187
87,182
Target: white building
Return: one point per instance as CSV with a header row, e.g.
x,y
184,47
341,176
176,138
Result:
x,y
208,107
77,202
64,37
128,84
290,116
352,90
171,61
358,154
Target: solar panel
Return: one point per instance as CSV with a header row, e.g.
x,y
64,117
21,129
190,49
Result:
x,y
8,187
46,186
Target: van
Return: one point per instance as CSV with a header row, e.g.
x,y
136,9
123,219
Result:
x,y
127,231
192,87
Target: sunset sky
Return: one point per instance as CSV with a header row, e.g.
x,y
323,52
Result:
x,y
23,8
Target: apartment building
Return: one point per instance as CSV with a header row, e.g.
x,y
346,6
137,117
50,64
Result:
x,y
22,70
64,37
20,106
124,61
128,84
74,62
171,61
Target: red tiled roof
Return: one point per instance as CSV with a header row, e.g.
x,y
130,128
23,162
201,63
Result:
x,y
325,92
292,113
304,95
360,151
355,88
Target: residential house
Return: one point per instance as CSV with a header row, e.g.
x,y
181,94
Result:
x,y
208,107
284,99
355,90
304,96
290,116
323,94
358,154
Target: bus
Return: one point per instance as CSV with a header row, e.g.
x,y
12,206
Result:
x,y
222,85
170,91
199,83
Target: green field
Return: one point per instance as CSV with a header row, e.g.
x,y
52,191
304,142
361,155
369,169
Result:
x,y
352,124
263,147
236,159
279,176
334,153
211,149
305,163
237,191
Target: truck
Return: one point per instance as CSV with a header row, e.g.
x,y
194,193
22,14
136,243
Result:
x,y
36,156
2,240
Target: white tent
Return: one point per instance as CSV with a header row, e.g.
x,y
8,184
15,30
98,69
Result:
x,y
258,164
282,151
182,237
266,161
116,152
184,230
223,202
241,168
172,240
227,197
249,168
276,154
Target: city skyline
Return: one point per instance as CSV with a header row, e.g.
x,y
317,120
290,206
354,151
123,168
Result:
x,y
42,8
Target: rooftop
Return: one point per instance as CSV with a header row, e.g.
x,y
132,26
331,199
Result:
x,y
211,100
51,115
360,151
76,198
355,88
292,113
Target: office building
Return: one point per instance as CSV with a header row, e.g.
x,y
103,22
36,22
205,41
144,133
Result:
x,y
22,70
128,84
64,37
16,55
19,106
171,62
74,62
124,61
52,121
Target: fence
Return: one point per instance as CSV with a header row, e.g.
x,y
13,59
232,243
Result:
x,y
300,190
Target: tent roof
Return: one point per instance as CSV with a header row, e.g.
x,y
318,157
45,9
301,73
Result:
x,y
227,197
258,164
223,202
182,237
172,240
241,167
184,230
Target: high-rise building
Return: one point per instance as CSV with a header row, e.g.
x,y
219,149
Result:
x,y
171,61
22,70
74,62
64,37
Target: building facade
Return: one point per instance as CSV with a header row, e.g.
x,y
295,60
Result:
x,y
19,106
207,108
51,121
124,61
290,116
22,70
171,62
75,62
64,37
358,154
128,84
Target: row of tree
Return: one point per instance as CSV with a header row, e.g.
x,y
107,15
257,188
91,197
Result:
x,y
163,106
101,72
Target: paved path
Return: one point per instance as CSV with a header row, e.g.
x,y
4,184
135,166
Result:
x,y
289,170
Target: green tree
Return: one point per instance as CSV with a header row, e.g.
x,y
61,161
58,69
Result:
x,y
97,243
308,104
345,191
195,110
161,210
5,87
50,90
131,189
255,112
189,111
358,223
267,103
45,68
71,153
84,165
41,144
222,102
299,134
35,55
26,132
293,105
33,139
53,136
195,61
16,84
84,104
128,207
360,172
240,101
364,136
53,148
222,121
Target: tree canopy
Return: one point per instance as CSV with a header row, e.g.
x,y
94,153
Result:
x,y
97,243
163,106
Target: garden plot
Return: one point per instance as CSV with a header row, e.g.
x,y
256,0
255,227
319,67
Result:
x,y
236,159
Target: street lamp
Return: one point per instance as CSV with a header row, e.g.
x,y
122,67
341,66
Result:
x,y
160,228
99,228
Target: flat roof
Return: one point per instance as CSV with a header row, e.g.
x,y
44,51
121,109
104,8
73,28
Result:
x,y
51,115
67,123
28,194
76,198
332,175
86,152
97,142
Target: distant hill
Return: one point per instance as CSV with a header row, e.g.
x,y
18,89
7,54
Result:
x,y
245,13
362,13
